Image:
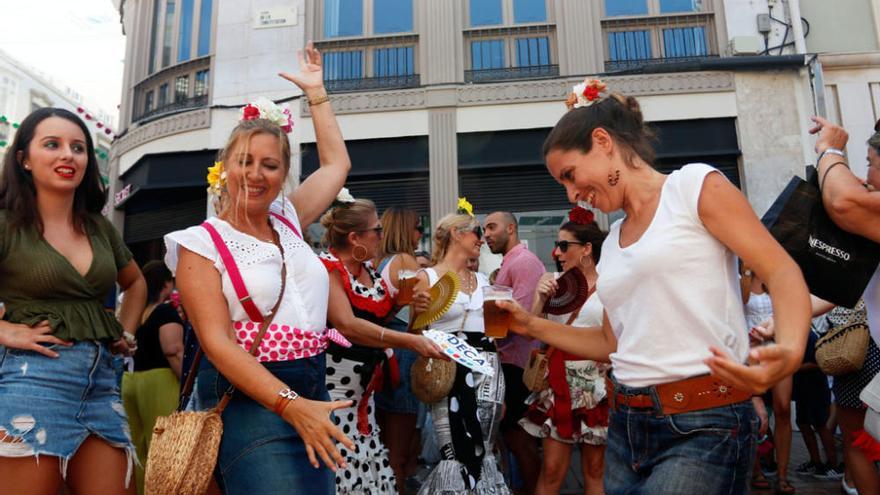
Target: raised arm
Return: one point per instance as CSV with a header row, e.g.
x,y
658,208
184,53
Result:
x,y
364,332
201,293
848,202
729,217
596,343
317,192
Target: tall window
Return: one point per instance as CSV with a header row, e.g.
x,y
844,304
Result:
x,y
392,16
529,11
184,38
154,32
163,95
648,31
187,21
344,65
629,45
343,18
201,86
532,52
487,54
169,31
393,61
204,28
486,12
181,88
685,42
614,8
148,102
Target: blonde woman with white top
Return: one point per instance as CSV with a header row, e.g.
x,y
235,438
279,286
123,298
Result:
x,y
673,310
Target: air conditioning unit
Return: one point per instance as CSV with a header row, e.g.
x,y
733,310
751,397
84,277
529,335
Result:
x,y
745,45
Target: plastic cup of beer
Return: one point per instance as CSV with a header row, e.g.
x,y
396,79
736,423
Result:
x,y
406,282
497,320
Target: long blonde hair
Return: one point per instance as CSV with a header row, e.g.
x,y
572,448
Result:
x,y
398,226
443,233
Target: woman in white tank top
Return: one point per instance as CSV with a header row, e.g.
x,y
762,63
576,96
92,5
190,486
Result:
x,y
673,310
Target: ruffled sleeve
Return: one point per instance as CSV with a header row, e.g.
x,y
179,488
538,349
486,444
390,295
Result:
x,y
195,239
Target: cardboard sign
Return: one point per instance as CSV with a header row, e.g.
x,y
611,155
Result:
x,y
460,351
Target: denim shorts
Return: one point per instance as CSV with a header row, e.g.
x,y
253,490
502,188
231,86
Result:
x,y
259,451
707,452
53,404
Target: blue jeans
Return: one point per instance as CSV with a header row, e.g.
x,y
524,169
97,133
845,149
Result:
x,y
703,452
259,451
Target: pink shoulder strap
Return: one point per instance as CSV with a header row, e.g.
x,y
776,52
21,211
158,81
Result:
x,y
234,275
286,221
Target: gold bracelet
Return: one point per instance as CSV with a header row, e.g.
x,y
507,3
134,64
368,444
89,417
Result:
x,y
318,100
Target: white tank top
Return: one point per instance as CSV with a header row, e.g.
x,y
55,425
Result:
x,y
673,293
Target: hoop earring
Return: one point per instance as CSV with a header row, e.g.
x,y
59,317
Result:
x,y
359,259
614,179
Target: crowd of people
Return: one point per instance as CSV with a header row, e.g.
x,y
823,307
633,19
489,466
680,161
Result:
x,y
692,311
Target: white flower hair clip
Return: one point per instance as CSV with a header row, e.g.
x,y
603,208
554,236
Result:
x,y
586,93
344,197
264,108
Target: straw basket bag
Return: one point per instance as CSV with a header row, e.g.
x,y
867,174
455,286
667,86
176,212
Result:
x,y
184,446
843,349
535,374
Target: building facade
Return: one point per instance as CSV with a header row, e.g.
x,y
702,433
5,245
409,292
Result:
x,y
441,99
23,90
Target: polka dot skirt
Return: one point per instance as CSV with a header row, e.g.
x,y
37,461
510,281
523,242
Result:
x,y
368,469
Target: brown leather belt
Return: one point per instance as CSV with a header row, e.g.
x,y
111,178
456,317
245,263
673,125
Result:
x,y
687,395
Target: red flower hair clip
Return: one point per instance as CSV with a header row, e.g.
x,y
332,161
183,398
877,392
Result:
x,y
250,112
581,216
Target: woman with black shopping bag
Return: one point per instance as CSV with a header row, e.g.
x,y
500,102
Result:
x,y
673,310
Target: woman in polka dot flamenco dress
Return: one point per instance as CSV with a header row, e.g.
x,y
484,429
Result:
x,y
467,421
359,304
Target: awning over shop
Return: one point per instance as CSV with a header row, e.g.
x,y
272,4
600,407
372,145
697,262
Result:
x,y
161,171
391,172
504,170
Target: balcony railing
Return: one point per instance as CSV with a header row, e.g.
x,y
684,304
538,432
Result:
x,y
372,83
186,104
634,42
511,73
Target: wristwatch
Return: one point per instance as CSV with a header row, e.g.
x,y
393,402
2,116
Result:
x,y
285,397
833,151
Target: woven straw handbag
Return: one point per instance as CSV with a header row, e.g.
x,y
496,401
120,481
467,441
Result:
x,y
535,376
184,446
843,349
431,379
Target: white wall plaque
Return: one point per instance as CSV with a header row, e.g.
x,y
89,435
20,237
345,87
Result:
x,y
275,17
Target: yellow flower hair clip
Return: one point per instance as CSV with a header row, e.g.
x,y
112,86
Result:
x,y
464,207
216,179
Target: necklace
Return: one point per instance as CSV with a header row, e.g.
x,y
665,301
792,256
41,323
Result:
x,y
467,286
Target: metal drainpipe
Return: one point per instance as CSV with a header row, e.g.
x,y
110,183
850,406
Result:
x,y
794,14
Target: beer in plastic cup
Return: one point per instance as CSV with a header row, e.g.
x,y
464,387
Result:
x,y
497,320
406,282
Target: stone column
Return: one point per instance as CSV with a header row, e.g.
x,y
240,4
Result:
x,y
440,24
443,162
579,37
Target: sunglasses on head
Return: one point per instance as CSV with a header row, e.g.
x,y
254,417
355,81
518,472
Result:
x,y
563,245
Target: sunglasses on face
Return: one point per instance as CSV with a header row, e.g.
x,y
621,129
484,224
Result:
x,y
563,245
377,229
420,229
478,231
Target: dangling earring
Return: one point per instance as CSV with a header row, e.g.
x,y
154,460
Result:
x,y
614,179
359,259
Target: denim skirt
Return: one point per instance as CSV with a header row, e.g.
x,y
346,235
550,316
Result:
x,y
49,406
706,452
259,451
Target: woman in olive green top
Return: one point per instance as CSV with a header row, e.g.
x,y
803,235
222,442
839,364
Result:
x,y
61,417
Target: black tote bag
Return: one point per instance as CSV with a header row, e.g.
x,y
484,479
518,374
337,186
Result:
x,y
837,265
